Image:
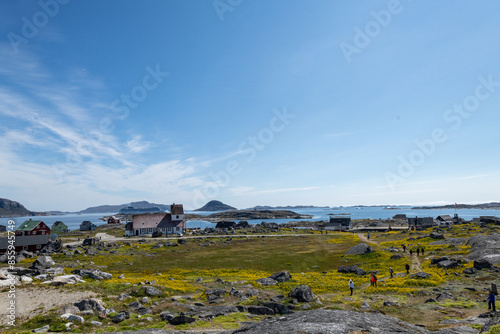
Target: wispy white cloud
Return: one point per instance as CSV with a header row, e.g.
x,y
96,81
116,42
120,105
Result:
x,y
136,145
76,162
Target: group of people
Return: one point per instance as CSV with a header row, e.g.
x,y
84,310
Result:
x,y
419,250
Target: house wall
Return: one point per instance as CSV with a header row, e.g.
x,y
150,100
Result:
x,y
40,229
31,243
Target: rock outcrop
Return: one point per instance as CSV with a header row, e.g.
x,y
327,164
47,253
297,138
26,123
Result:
x,y
351,269
359,249
302,293
331,321
485,247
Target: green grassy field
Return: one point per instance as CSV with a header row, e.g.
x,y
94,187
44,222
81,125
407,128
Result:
x,y
311,259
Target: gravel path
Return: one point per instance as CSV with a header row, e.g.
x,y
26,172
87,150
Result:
x,y
31,301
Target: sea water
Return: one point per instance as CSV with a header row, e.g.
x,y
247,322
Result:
x,y
73,221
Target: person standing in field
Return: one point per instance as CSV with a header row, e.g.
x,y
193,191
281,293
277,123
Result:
x,y
407,267
411,252
422,251
491,301
418,251
391,271
374,280
351,286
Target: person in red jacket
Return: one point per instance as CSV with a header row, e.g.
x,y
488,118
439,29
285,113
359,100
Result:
x,y
374,280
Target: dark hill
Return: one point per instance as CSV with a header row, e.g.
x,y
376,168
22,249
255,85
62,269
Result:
x,y
10,208
215,206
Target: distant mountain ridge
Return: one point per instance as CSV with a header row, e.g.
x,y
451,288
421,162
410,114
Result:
x,y
491,205
117,208
288,207
9,208
215,206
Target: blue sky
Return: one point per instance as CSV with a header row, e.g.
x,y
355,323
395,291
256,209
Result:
x,y
248,102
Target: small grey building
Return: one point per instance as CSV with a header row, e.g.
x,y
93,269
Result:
x,y
87,226
339,223
420,223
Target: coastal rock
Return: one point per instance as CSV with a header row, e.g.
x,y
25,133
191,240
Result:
x,y
302,293
152,291
351,269
121,316
281,276
439,259
92,273
447,264
470,271
43,329
482,264
52,247
444,296
451,241
436,235
92,304
181,319
260,310
420,274
492,322
359,249
166,316
485,247
277,308
266,281
216,292
331,321
43,262
64,280
72,309
72,318
91,251
215,311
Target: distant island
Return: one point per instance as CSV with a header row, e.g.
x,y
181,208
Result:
x,y
117,208
250,214
9,208
215,206
288,207
490,206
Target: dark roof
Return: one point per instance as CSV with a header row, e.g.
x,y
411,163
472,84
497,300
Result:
x,y
177,209
444,217
166,221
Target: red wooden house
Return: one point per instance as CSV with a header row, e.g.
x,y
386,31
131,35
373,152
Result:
x,y
32,236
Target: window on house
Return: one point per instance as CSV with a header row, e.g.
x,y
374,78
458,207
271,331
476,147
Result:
x,y
25,247
38,246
